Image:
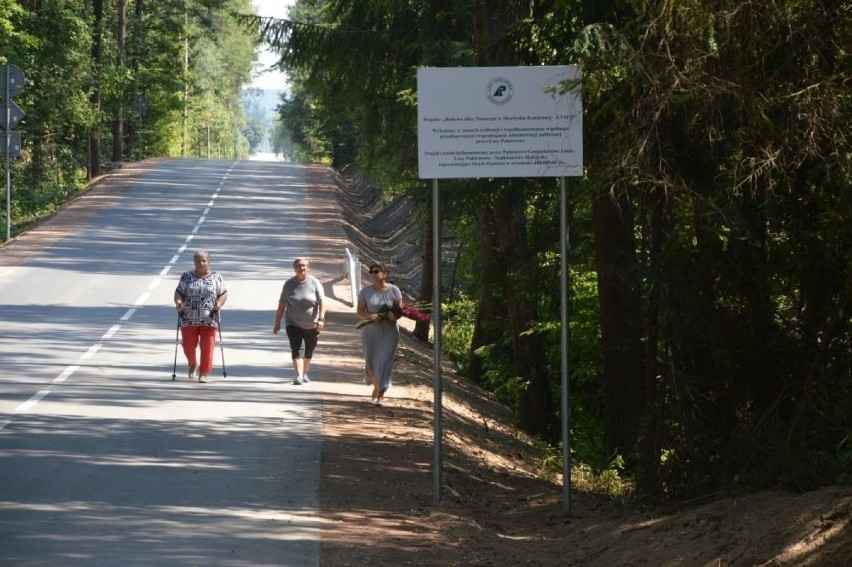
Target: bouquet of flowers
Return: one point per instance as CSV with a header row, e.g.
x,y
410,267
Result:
x,y
399,309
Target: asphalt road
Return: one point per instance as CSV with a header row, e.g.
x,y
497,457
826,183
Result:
x,y
104,460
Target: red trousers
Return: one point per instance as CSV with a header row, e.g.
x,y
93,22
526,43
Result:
x,y
192,338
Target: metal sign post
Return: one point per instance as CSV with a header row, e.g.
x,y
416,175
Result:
x,y
565,249
437,426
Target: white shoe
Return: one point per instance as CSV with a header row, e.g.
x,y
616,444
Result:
x,y
305,379
297,381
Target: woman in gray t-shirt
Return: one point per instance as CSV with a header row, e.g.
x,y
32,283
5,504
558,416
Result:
x,y
301,305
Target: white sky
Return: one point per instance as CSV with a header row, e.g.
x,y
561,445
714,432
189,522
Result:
x,y
264,78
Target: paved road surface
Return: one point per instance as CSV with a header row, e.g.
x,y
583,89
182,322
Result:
x,y
104,460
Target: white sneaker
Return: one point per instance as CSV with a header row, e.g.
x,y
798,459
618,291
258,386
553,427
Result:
x,y
297,381
305,379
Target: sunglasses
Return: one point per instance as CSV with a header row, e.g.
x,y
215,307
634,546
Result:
x,y
375,271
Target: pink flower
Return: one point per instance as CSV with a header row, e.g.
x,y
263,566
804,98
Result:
x,y
399,310
410,311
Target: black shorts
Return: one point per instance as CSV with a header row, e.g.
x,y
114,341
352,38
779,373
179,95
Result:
x,y
302,341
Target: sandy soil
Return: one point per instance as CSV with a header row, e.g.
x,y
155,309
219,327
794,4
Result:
x,y
378,506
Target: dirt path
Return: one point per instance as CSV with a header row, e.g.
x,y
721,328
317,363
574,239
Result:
x,y
376,482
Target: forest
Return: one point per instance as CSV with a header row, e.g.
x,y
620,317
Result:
x,y
110,81
710,236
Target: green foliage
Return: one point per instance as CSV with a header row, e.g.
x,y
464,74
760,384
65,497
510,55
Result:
x,y
46,44
457,330
37,198
255,133
737,261
220,55
71,100
609,479
497,375
282,142
552,460
353,67
14,41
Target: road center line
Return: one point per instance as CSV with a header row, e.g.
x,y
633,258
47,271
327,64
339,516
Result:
x,y
91,352
70,370
112,330
32,401
66,373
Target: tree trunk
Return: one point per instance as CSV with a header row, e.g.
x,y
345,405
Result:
x,y
650,478
488,30
621,322
130,132
693,332
97,49
118,116
491,22
490,319
537,408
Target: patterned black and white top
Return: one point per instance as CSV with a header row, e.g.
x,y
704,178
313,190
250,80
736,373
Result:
x,y
199,298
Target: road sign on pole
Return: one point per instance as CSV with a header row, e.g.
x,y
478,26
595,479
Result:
x,y
12,142
10,119
14,78
13,85
499,122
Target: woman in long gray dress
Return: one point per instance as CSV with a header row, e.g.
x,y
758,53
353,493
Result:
x,y
381,337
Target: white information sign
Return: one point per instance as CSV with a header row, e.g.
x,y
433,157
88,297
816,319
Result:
x,y
499,122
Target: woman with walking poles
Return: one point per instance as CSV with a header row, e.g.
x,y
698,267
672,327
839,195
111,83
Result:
x,y
199,296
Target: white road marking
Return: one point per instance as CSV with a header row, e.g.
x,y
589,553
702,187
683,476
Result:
x,y
70,370
66,373
32,401
112,330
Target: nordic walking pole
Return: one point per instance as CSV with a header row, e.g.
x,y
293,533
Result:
x,y
221,345
177,336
